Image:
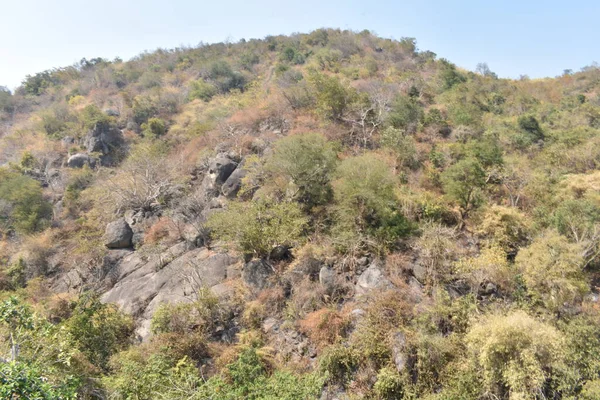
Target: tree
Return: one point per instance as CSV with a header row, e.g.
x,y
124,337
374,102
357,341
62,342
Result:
x,y
463,183
306,163
333,98
483,70
255,228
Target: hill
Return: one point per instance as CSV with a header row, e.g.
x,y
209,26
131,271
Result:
x,y
323,215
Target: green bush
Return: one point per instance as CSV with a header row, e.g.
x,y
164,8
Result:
x,y
256,227
98,329
202,90
552,268
366,203
154,128
22,204
516,354
306,163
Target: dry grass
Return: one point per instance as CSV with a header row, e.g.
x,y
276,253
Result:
x,y
324,327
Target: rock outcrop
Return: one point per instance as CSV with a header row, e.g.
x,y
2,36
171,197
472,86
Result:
x,y
173,276
118,235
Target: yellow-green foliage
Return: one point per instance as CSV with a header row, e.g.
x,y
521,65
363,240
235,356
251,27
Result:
x,y
256,227
552,269
515,354
506,226
491,265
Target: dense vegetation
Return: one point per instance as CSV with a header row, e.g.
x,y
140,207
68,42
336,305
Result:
x,y
476,198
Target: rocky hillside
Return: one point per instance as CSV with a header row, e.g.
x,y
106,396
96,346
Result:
x,y
329,215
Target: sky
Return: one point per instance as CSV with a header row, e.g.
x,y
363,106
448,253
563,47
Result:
x,y
527,37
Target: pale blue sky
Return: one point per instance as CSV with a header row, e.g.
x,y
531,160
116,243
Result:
x,y
533,37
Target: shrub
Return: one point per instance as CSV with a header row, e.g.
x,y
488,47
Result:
x,y
98,329
505,226
366,202
338,362
333,98
155,127
22,204
406,113
530,124
552,270
516,354
256,227
307,163
491,265
403,146
389,384
437,248
202,90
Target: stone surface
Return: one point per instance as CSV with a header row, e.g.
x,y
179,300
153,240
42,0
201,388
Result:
x,y
399,351
372,279
79,160
171,277
233,184
256,273
327,276
118,235
221,168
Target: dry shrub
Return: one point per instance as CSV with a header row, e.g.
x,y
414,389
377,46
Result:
x,y
35,251
253,315
307,296
272,299
324,327
164,230
177,346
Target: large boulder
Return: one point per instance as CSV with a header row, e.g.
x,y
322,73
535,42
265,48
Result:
x,y
79,160
220,169
118,235
104,138
141,285
372,279
233,184
256,274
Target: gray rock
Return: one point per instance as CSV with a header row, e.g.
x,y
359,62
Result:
x,y
111,112
280,253
399,351
327,277
118,235
256,273
420,272
79,160
104,139
220,169
270,325
233,184
173,276
372,279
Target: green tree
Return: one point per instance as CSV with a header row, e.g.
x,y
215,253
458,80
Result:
x,y
463,183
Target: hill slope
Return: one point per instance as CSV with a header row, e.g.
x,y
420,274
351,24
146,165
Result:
x,y
324,215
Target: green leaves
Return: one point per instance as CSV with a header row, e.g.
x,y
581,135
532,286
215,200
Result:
x,y
256,227
22,205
